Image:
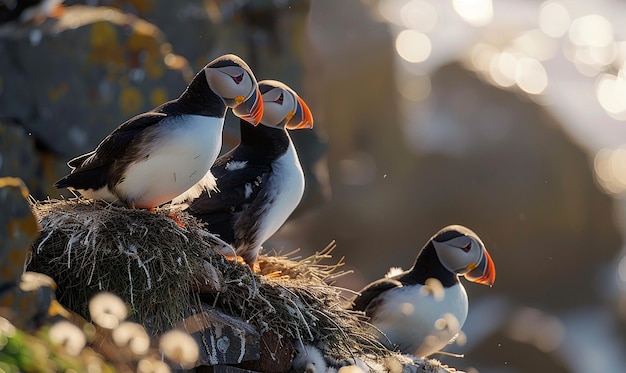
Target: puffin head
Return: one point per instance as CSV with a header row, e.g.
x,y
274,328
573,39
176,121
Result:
x,y
461,251
282,107
231,79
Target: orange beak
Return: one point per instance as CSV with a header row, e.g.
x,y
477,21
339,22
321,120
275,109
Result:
x,y
303,118
484,273
251,110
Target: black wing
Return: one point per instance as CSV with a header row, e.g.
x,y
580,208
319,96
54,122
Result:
x,y
367,297
76,162
237,187
90,171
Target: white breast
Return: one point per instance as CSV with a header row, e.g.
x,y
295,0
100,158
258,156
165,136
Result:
x,y
286,186
180,156
420,323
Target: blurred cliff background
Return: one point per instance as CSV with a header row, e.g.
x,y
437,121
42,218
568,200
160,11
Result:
x,y
506,116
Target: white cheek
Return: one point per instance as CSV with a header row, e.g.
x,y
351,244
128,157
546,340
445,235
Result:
x,y
273,113
224,85
289,101
454,259
476,254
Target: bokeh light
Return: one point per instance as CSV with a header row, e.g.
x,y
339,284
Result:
x,y
535,44
461,339
419,15
502,69
390,10
532,326
593,41
407,308
591,30
611,92
179,347
481,55
610,169
433,287
107,310
351,369
6,329
554,19
149,365
474,12
68,335
413,46
531,76
133,336
448,321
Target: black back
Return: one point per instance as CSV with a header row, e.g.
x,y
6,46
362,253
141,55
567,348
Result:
x,y
238,189
427,265
108,162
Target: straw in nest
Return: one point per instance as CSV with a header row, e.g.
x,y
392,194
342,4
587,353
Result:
x,y
156,266
144,257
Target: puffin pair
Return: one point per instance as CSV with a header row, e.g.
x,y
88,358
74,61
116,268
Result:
x,y
169,154
165,154
423,309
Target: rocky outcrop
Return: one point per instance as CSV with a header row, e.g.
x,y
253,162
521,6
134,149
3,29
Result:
x,y
27,299
101,67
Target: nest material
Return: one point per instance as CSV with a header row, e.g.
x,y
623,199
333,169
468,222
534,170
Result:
x,y
302,305
143,257
155,265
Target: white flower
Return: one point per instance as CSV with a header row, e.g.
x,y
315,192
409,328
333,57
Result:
x,y
107,310
68,335
152,366
179,347
133,336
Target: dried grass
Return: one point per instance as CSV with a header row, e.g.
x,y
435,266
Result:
x,y
302,305
153,265
143,257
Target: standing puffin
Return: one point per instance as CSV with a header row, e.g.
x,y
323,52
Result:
x,y
166,153
422,309
260,181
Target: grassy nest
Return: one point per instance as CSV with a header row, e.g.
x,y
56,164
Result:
x,y
299,303
145,258
155,266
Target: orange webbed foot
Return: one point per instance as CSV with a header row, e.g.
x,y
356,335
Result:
x,y
176,220
254,267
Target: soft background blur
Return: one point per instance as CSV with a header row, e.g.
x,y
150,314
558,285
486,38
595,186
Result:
x,y
506,116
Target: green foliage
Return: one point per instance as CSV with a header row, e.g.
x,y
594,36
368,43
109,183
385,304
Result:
x,y
23,352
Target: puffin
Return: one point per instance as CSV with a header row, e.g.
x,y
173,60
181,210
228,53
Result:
x,y
166,153
260,181
421,310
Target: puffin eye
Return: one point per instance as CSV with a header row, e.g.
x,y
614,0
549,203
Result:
x,y
279,100
238,78
467,247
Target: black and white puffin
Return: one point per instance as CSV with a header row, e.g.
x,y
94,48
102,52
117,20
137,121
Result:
x,y
422,309
260,181
166,153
